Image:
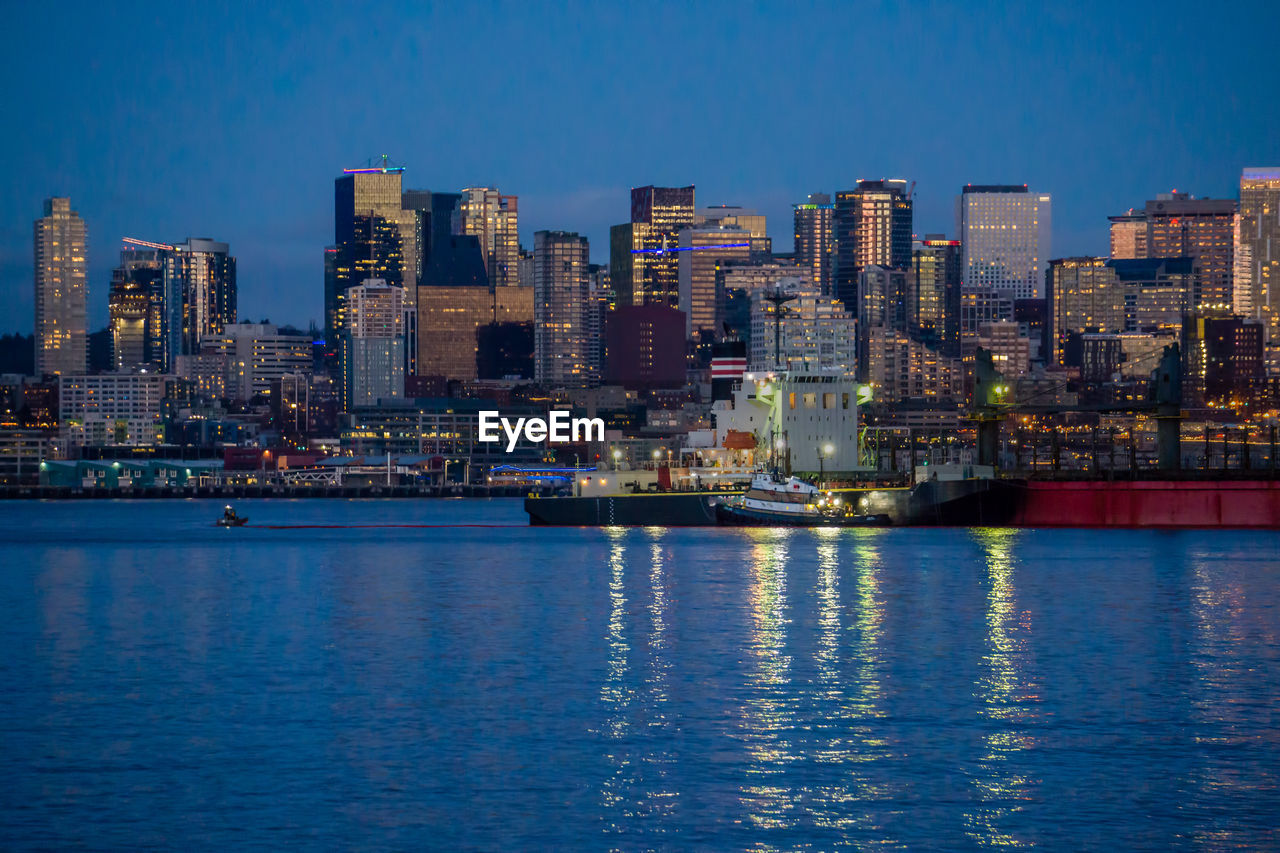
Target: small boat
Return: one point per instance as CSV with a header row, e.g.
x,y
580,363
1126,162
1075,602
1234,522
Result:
x,y
230,519
772,502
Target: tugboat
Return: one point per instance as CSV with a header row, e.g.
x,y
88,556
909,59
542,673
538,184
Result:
x,y
772,502
230,519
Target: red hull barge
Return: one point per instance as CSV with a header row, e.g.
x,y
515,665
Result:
x,y
1149,503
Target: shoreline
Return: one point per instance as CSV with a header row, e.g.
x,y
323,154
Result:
x,y
245,492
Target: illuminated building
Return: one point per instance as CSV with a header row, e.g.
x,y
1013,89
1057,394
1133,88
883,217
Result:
x,y
933,293
1004,232
872,226
562,308
815,333
1180,226
902,368
257,356
643,270
1088,294
1258,261
1128,235
374,343
705,250
378,232
1223,359
881,303
815,239
1010,349
199,281
61,290
112,408
492,218
733,216
450,319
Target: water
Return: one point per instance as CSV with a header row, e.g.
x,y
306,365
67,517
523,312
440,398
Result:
x,y
166,683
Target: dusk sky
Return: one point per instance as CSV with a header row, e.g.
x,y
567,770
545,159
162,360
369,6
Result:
x,y
166,121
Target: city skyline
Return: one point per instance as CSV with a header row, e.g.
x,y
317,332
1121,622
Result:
x,y
572,160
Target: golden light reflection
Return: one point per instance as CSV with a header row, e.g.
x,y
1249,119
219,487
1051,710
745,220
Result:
x,y
616,695
768,711
659,799
1007,698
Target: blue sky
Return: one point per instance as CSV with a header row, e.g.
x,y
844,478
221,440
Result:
x,y
230,121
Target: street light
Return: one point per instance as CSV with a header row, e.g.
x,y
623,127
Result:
x,y
617,457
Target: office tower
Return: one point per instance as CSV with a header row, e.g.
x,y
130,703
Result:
x,y
199,282
1129,235
933,293
881,303
61,290
374,342
1181,226
1223,359
374,237
135,306
872,227
705,250
645,347
1129,295
1255,290
491,217
257,355
815,239
450,322
644,269
561,305
815,333
746,218
1005,237
902,368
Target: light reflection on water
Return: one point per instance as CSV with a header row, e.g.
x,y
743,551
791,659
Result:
x,y
517,688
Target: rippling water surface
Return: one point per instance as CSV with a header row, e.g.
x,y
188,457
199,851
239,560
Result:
x,y
167,683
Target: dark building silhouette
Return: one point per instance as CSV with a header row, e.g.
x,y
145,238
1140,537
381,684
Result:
x,y
645,347
504,350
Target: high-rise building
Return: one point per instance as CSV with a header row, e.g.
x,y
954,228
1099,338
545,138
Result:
x,y
933,293
1005,236
136,308
61,290
882,303
257,356
1129,295
705,250
872,227
903,368
815,239
561,305
644,269
814,334
1181,226
1258,262
746,218
199,281
374,343
1129,235
492,218
450,320
377,233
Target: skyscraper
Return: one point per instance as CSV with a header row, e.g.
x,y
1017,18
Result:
x,y
1005,236
643,269
1259,243
1129,235
199,281
61,290
872,227
374,237
1181,226
705,250
933,293
374,341
493,218
135,306
815,239
562,346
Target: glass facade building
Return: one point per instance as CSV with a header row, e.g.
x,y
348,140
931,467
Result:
x,y
61,290
1004,233
493,219
815,239
872,227
563,328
